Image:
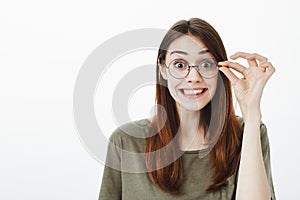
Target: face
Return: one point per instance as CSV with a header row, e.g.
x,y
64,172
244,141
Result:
x,y
194,91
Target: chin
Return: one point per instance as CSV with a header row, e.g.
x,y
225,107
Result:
x,y
192,108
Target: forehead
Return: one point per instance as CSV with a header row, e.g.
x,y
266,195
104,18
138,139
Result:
x,y
187,43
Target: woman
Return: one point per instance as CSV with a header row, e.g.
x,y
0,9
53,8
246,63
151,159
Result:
x,y
195,147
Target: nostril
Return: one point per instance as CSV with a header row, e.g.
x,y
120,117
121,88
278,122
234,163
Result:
x,y
191,81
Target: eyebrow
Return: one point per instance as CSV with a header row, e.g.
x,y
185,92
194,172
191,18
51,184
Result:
x,y
185,53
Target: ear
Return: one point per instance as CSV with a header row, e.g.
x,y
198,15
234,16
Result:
x,y
162,70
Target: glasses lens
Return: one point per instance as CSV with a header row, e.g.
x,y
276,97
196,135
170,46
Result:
x,y
178,68
208,68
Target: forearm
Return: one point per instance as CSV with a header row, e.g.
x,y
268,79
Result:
x,y
252,178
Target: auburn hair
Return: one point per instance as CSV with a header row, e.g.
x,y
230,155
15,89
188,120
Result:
x,y
217,117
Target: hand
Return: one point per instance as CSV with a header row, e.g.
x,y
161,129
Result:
x,y
248,90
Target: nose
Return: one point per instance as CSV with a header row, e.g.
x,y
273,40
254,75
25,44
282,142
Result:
x,y
194,76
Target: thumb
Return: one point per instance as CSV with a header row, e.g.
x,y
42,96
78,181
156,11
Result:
x,y
229,74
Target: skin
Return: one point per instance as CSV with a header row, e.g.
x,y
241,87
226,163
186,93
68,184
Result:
x,y
252,178
188,106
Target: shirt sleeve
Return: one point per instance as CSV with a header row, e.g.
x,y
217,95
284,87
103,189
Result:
x,y
111,186
266,155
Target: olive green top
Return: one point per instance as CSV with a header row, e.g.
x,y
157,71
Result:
x,y
126,184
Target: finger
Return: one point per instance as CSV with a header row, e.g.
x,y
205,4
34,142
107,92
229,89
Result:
x,y
238,67
259,57
251,61
266,65
244,55
230,75
270,69
263,66
241,55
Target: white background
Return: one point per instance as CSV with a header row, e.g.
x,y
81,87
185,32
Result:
x,y
43,45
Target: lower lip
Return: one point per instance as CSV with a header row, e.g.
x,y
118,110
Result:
x,y
194,96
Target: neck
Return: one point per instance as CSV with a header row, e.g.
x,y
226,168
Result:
x,y
191,135
189,121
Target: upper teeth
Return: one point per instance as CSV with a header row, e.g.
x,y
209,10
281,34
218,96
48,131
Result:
x,y
192,91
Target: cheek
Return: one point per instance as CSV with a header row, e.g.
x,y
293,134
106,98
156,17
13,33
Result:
x,y
212,86
172,86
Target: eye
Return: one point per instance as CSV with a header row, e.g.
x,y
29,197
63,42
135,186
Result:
x,y
179,64
207,64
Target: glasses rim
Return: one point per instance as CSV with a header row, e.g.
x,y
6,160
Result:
x,y
194,66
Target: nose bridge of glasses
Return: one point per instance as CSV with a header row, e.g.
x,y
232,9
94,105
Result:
x,y
194,66
196,70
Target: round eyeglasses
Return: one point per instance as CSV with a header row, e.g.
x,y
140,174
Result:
x,y
179,69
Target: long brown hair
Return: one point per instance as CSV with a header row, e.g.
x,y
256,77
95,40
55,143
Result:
x,y
217,117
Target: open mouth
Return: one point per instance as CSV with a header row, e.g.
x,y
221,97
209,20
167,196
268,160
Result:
x,y
195,92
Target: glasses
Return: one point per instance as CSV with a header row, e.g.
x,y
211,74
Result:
x,y
179,69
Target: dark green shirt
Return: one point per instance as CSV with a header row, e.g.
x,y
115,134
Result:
x,y
128,185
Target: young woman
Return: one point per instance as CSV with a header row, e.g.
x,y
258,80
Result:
x,y
195,147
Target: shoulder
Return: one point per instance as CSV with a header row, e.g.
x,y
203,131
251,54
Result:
x,y
131,135
137,129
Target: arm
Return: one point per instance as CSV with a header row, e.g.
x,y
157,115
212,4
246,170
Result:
x,y
252,177
111,186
